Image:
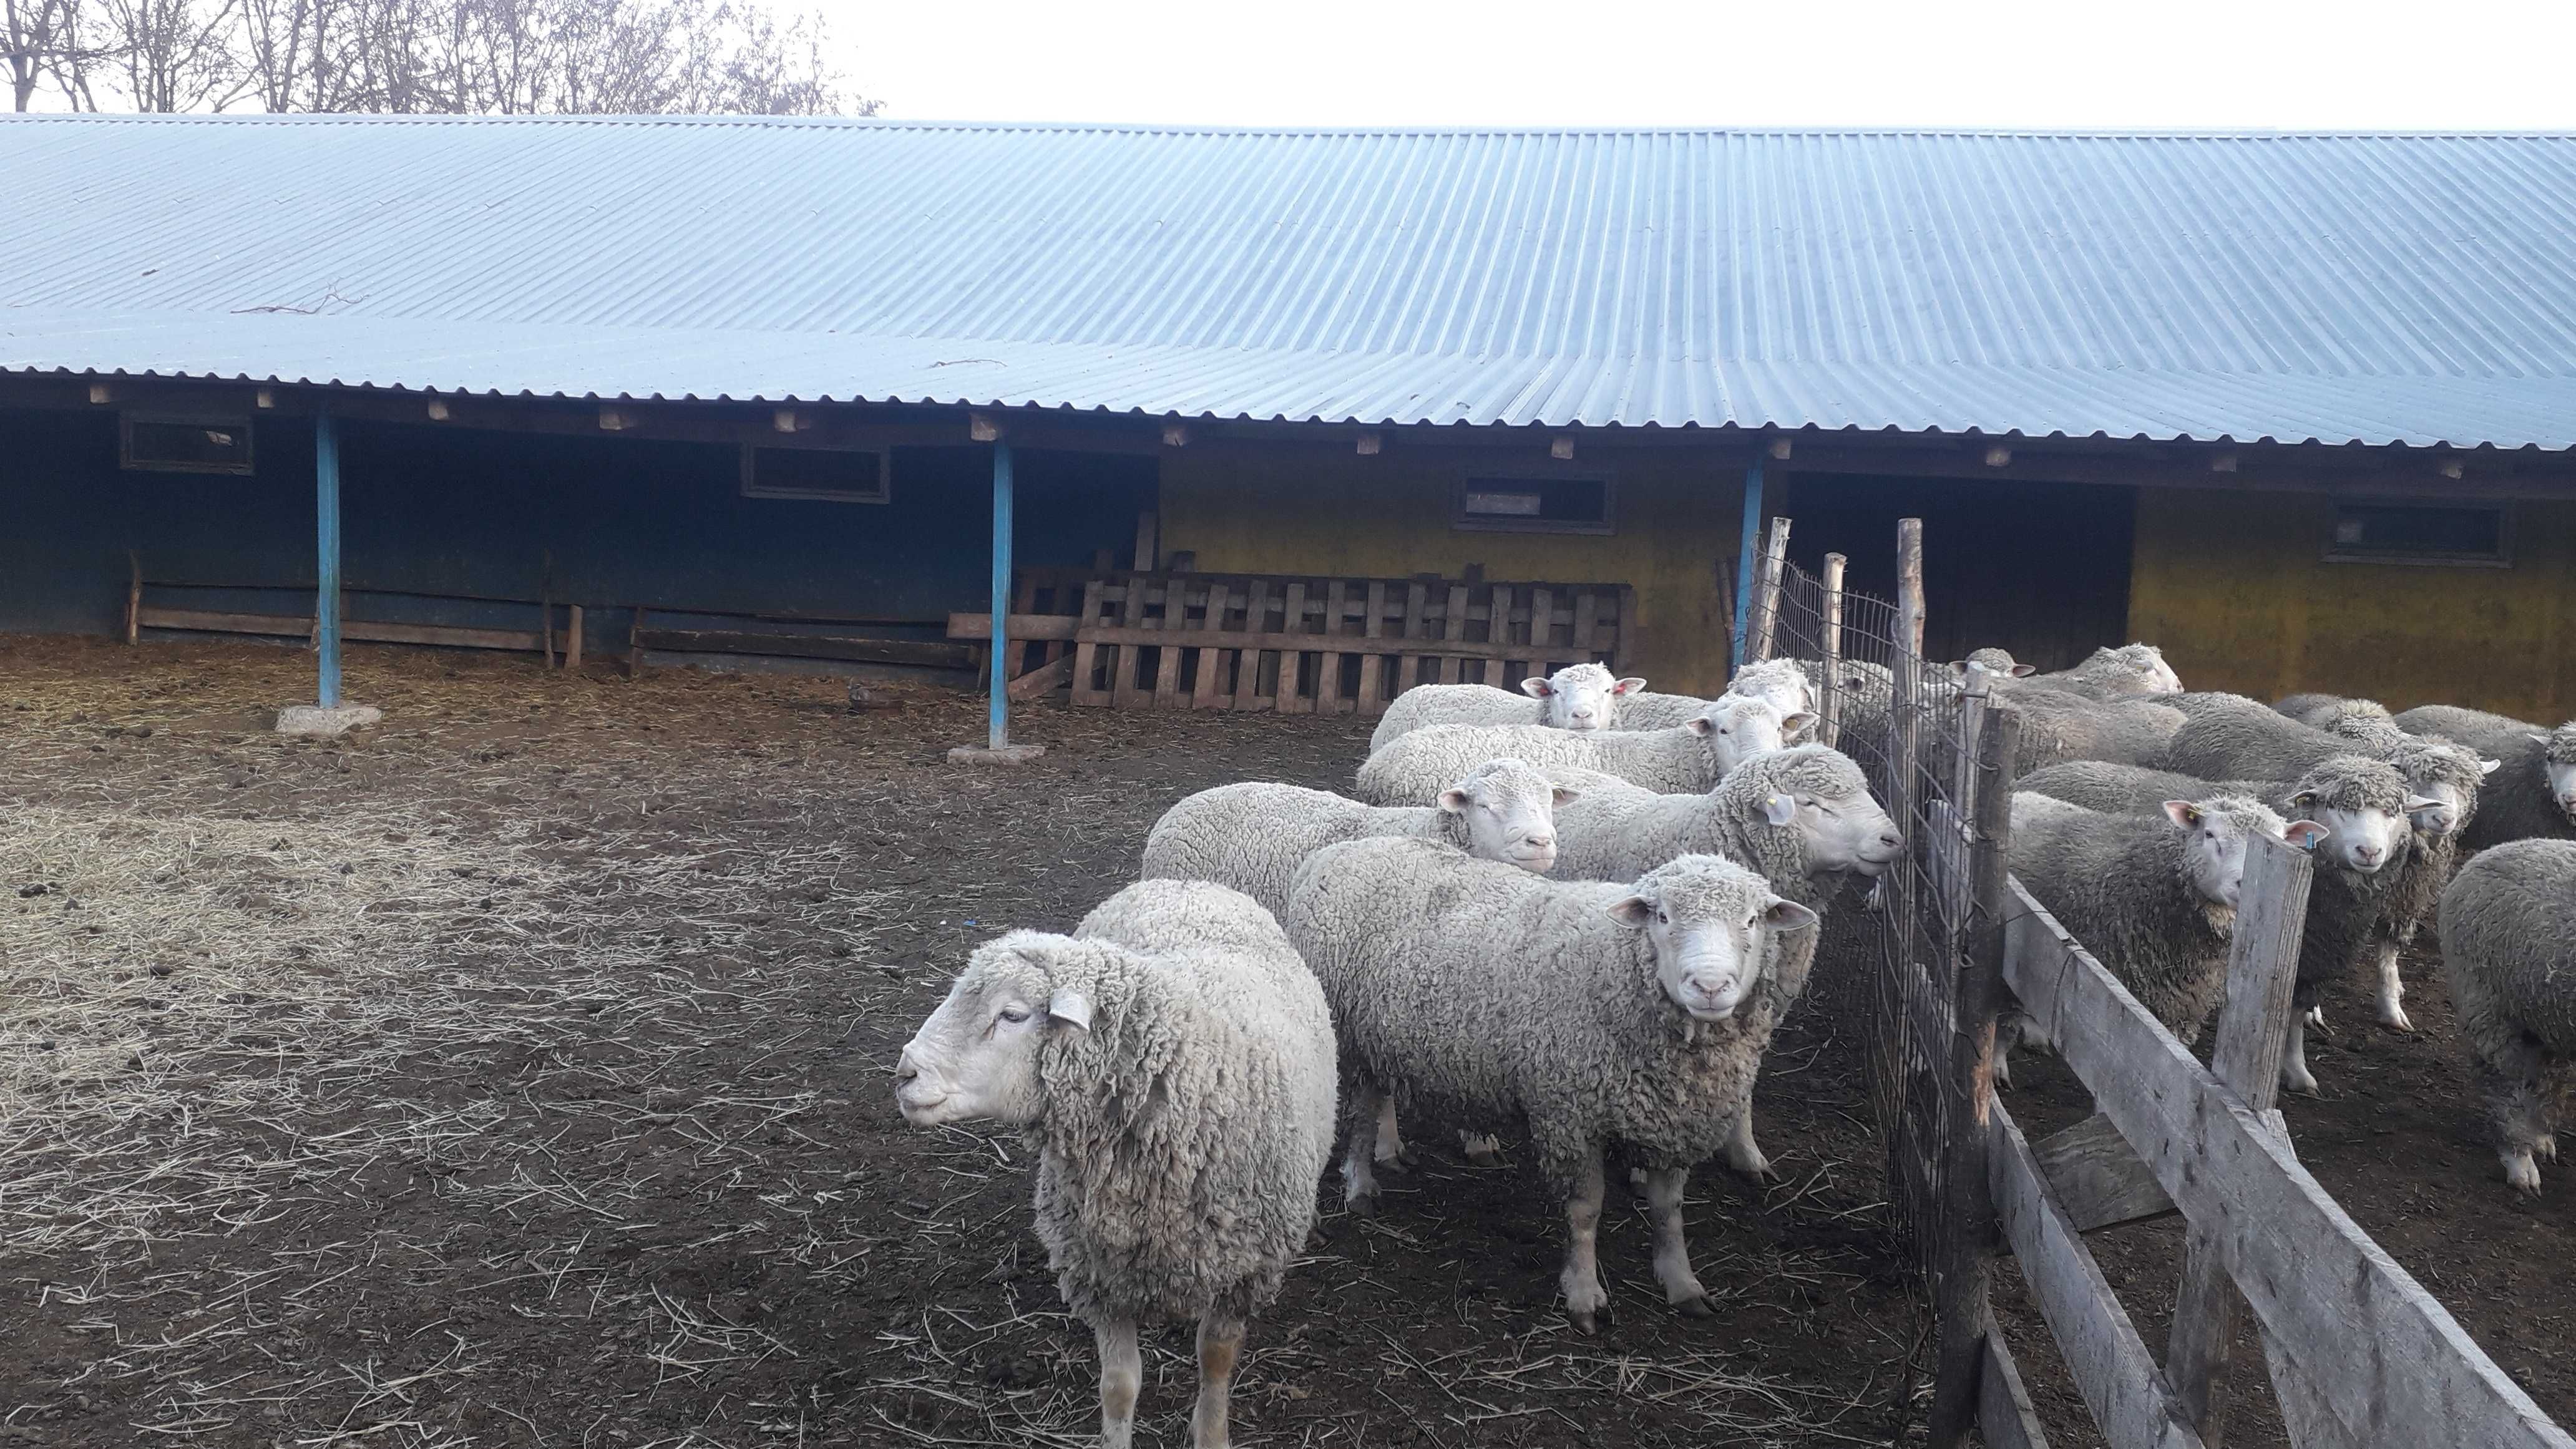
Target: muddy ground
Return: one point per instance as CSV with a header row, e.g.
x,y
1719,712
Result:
x,y
515,1073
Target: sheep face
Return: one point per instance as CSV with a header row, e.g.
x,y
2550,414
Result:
x,y
2433,774
1708,924
1998,662
2216,833
976,1056
1580,696
2135,669
2362,838
1510,812
1737,727
1845,832
2562,772
1780,683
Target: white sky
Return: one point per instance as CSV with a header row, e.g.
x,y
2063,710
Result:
x,y
2448,64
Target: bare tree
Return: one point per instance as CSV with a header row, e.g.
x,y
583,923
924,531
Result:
x,y
174,55
43,41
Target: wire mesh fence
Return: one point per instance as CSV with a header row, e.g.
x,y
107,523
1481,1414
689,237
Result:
x,y
1890,966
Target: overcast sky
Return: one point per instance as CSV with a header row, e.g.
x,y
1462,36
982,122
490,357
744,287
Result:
x,y
2449,64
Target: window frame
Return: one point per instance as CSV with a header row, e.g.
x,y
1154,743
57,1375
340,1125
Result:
x,y
241,423
2502,558
1471,482
751,487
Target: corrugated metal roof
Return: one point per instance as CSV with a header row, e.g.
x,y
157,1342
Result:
x,y
2344,288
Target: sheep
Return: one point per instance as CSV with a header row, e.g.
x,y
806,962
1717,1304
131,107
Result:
x,y
1803,817
2110,672
2322,711
2508,927
1577,697
1414,768
1252,837
1997,662
2366,811
1600,1014
2057,726
2446,782
2153,897
1172,1063
2533,795
1780,681
2232,737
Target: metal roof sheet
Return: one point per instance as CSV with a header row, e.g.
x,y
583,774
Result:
x,y
2333,288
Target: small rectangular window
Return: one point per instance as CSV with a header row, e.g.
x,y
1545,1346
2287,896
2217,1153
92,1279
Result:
x,y
184,445
1534,505
2418,533
832,475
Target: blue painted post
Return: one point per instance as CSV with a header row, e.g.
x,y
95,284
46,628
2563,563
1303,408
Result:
x,y
326,512
1744,559
998,731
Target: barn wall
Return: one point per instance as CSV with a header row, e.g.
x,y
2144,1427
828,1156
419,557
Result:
x,y
1322,508
450,511
2234,586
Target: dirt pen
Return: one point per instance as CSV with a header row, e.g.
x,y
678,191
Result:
x,y
516,1073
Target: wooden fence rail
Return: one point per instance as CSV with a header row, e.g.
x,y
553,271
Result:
x,y
1293,644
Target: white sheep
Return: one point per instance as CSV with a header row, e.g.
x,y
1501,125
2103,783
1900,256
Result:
x,y
1781,681
2508,925
2108,671
1414,768
1172,1064
1253,836
1577,697
1634,1014
2534,795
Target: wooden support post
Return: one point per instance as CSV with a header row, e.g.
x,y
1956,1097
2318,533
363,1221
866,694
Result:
x,y
1748,541
1829,729
546,609
133,596
1909,586
635,642
997,704
2262,968
1960,1306
326,512
1149,542
1766,607
572,637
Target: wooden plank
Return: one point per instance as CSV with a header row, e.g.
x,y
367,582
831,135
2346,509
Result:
x,y
634,632
1167,671
2262,969
1126,691
1417,600
1024,627
1372,696
2316,1282
2096,1176
930,653
1542,633
2104,1355
1829,701
1256,619
1328,663
1456,633
1587,618
1766,591
1149,542
1292,620
133,596
2005,1413
1626,639
1204,690
1046,679
1498,632
572,636
289,626
1086,653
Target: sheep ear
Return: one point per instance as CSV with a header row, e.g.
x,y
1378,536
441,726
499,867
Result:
x,y
2303,833
1537,687
1959,666
1560,797
1453,800
2024,671
2489,767
1778,809
1069,1007
2540,739
1796,722
2182,813
1700,725
1788,916
2419,802
1630,685
1632,912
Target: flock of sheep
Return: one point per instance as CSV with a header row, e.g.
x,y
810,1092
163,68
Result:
x,y
1581,910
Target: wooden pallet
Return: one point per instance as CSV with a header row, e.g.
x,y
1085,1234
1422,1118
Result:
x,y
1296,644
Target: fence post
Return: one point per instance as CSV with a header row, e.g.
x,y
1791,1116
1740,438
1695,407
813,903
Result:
x,y
1766,605
1829,730
2262,968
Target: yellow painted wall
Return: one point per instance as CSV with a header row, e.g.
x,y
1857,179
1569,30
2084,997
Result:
x,y
1285,508
2235,587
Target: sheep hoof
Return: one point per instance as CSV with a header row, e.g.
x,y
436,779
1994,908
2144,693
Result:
x,y
1696,1306
1364,1206
2522,1174
2317,1021
2545,1147
1396,1161
1581,1318
2304,1085
2394,1018
1481,1155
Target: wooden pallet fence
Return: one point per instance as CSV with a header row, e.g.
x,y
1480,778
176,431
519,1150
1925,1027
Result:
x,y
1292,644
2357,1352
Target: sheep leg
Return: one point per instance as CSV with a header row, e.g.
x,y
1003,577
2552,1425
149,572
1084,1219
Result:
x,y
1581,1280
1390,1151
2295,1076
1664,1188
2517,1097
1220,1342
1122,1378
1742,1154
2391,989
1359,1159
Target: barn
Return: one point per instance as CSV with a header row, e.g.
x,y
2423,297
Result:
x,y
2295,407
